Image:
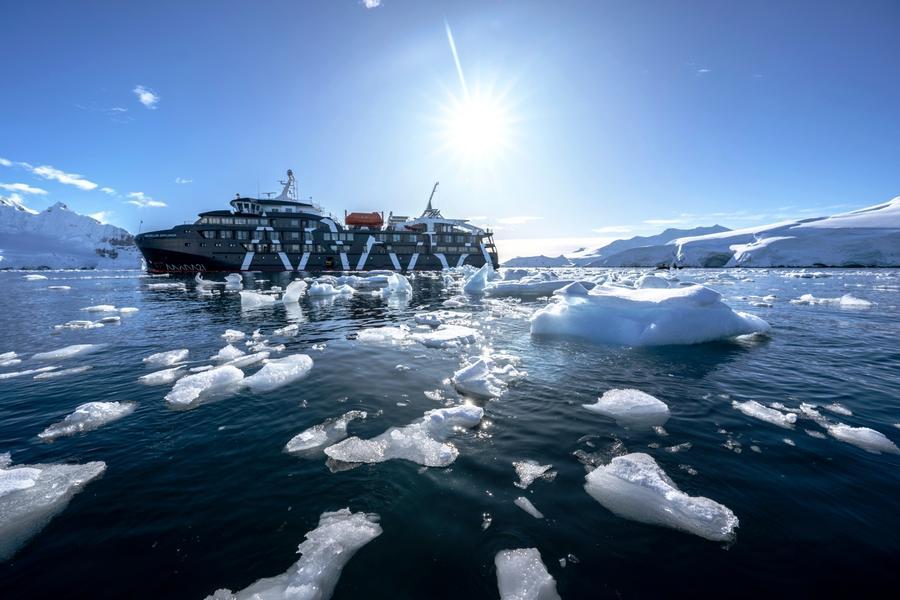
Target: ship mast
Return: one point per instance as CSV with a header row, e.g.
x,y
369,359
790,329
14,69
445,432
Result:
x,y
289,192
434,213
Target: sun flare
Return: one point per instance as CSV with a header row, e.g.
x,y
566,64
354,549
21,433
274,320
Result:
x,y
477,128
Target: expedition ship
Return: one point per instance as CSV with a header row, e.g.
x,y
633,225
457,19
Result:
x,y
285,233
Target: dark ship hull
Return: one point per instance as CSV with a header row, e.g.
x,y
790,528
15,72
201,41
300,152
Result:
x,y
286,234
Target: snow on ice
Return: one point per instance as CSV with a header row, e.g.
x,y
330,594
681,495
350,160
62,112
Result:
x,y
631,408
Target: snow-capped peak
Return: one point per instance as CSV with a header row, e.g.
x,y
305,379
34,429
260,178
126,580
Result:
x,y
15,201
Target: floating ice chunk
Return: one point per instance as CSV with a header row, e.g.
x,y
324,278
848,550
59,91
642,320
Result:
x,y
816,434
161,377
63,373
327,549
87,417
227,353
26,372
31,495
168,358
478,281
323,289
398,284
34,277
234,278
521,575
635,487
631,408
651,281
100,308
526,505
645,317
528,471
845,301
111,320
247,360
294,291
79,324
287,330
8,359
188,389
447,336
431,319
201,368
233,335
478,379
456,302
128,310
175,285
863,437
68,352
421,442
573,289
324,434
383,334
278,372
754,409
59,288
264,346
250,300
839,409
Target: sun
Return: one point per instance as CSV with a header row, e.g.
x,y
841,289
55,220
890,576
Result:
x,y
477,127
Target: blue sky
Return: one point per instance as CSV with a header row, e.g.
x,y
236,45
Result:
x,y
594,120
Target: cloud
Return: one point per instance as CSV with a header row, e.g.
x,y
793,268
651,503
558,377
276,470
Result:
x,y
141,200
48,172
5,162
108,190
519,220
703,71
371,3
22,187
102,216
146,96
663,221
612,229
183,180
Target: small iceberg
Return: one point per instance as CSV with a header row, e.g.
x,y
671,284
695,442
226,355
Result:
x,y
324,434
227,353
754,409
644,317
863,437
631,408
87,417
325,551
68,352
188,389
167,359
845,301
294,291
482,378
161,377
526,505
251,300
233,335
522,575
278,372
31,495
635,487
446,336
529,470
477,283
421,442
380,335
398,284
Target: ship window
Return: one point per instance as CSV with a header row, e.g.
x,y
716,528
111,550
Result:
x,y
187,243
202,245
294,235
295,223
218,245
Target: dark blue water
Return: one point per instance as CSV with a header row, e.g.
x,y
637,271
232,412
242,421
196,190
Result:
x,y
203,499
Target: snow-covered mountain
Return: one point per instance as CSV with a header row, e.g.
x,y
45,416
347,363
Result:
x,y
538,261
869,237
598,256
59,238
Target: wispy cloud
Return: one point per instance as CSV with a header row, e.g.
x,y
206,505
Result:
x,y
5,162
102,216
371,3
183,180
108,190
52,173
518,220
146,96
22,187
141,200
702,71
613,229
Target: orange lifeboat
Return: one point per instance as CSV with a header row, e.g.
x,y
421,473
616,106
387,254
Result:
x,y
372,220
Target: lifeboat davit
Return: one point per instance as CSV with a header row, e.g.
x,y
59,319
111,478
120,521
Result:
x,y
372,220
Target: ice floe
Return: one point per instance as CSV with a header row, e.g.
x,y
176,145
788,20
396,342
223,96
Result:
x,y
398,284
100,308
529,470
79,324
863,437
644,317
294,291
247,360
633,486
326,289
631,408
26,372
845,301
251,300
481,377
324,434
175,285
34,277
287,330
8,359
522,575
68,352
233,335
63,372
31,495
227,353
278,372
421,442
162,377
385,334
128,310
839,409
325,551
446,336
754,409
167,358
87,417
59,288
526,505
189,389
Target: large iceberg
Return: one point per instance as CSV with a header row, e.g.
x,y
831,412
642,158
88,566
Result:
x,y
631,408
324,434
325,551
278,372
635,487
87,417
522,575
644,317
421,442
31,495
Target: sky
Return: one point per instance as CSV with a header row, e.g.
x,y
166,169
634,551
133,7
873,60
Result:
x,y
558,124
